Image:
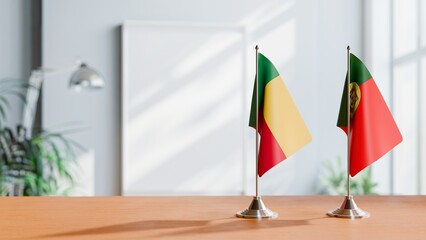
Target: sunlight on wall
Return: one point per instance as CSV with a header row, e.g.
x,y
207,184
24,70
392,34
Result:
x,y
206,51
265,13
283,36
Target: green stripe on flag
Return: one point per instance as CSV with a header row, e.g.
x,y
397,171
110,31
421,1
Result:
x,y
359,74
267,72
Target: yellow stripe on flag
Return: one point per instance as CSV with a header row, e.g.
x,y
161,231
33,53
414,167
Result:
x,y
283,117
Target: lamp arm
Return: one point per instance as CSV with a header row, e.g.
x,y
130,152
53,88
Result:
x,y
33,93
52,71
31,99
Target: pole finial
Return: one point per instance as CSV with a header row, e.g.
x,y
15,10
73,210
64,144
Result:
x,y
257,47
348,48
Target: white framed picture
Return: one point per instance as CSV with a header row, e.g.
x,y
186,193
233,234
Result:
x,y
183,109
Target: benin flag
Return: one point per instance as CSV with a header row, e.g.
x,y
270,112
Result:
x,y
373,129
281,127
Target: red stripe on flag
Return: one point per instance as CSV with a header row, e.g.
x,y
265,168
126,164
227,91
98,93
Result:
x,y
374,131
270,152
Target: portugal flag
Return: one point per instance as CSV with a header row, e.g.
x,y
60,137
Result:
x,y
373,129
281,127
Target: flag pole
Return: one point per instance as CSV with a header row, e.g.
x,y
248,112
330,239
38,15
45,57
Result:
x,y
348,209
348,82
257,208
257,121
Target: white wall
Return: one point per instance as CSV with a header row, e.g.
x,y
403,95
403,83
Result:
x,y
305,39
15,47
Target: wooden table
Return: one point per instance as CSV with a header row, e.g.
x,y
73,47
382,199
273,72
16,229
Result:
x,y
300,217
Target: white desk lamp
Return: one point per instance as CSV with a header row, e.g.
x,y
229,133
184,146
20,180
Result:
x,y
83,77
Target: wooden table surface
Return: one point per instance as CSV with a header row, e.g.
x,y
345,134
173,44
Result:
x,y
300,217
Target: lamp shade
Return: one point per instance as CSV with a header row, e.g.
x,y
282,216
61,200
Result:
x,y
86,77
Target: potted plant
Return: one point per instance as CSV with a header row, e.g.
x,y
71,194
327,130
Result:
x,y
33,165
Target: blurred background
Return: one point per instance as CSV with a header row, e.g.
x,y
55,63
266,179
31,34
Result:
x,y
171,114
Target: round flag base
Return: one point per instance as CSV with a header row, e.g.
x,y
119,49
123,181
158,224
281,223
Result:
x,y
348,209
257,209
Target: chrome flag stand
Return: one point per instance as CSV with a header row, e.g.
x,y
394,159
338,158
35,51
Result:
x,y
257,208
349,209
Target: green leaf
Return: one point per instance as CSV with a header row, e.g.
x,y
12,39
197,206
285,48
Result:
x,y
2,113
30,182
4,101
